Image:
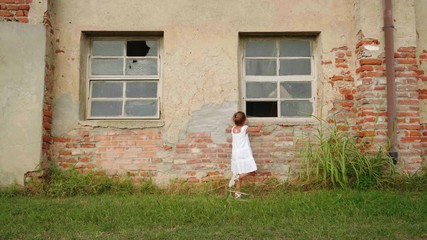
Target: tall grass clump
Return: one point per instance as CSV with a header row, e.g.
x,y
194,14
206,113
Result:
x,y
333,158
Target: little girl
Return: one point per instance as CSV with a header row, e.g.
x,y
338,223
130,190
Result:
x,y
242,161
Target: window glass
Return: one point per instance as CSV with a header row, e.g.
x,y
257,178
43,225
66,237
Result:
x,y
295,67
141,67
261,67
142,108
106,108
296,108
141,90
108,48
107,90
295,90
261,90
101,66
260,49
292,48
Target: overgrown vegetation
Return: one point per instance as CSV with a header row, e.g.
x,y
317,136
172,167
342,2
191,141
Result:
x,y
73,182
333,158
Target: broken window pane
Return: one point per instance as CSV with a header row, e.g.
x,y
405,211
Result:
x,y
141,90
295,67
108,48
261,90
261,67
295,90
141,48
296,108
107,66
261,109
260,49
106,108
107,90
290,48
141,67
143,108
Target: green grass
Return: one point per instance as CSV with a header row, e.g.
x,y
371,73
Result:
x,y
338,214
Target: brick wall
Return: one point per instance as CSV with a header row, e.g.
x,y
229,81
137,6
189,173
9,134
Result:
x,y
371,95
143,153
408,108
14,10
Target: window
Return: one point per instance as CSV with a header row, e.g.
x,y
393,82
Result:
x,y
278,78
123,78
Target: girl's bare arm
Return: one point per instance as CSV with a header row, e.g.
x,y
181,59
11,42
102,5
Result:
x,y
256,129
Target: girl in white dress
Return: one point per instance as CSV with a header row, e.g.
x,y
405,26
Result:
x,y
242,160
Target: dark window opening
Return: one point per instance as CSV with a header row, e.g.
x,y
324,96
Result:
x,y
261,109
137,49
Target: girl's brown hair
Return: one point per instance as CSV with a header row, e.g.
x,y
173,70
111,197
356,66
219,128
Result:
x,y
239,118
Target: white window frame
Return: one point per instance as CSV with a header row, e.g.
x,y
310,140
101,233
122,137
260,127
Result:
x,y
278,79
123,78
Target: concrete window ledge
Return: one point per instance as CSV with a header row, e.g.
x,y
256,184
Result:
x,y
125,124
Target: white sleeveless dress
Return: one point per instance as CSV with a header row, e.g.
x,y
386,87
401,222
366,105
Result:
x,y
242,160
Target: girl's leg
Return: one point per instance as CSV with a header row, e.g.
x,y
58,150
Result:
x,y
239,181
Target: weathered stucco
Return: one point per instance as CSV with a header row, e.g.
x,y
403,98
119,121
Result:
x,y
200,61
22,61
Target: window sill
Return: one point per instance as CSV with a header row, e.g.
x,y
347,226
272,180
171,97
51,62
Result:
x,y
125,124
285,122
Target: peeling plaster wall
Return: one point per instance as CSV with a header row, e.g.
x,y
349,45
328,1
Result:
x,y
200,62
201,82
22,55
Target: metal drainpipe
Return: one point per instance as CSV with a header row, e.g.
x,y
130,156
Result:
x,y
391,84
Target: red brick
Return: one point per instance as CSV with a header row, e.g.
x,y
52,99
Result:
x,y
87,145
341,65
405,55
372,74
407,49
65,153
370,61
406,74
409,127
4,13
408,101
406,61
339,54
61,139
410,139
12,7
24,7
336,78
365,68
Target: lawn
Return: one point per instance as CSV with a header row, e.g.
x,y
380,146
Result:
x,y
335,214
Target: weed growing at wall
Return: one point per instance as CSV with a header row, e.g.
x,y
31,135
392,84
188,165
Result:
x,y
72,182
333,158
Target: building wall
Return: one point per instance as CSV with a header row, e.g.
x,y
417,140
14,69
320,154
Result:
x,y
201,82
22,64
22,55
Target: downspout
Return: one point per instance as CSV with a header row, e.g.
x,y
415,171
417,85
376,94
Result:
x,y
391,84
